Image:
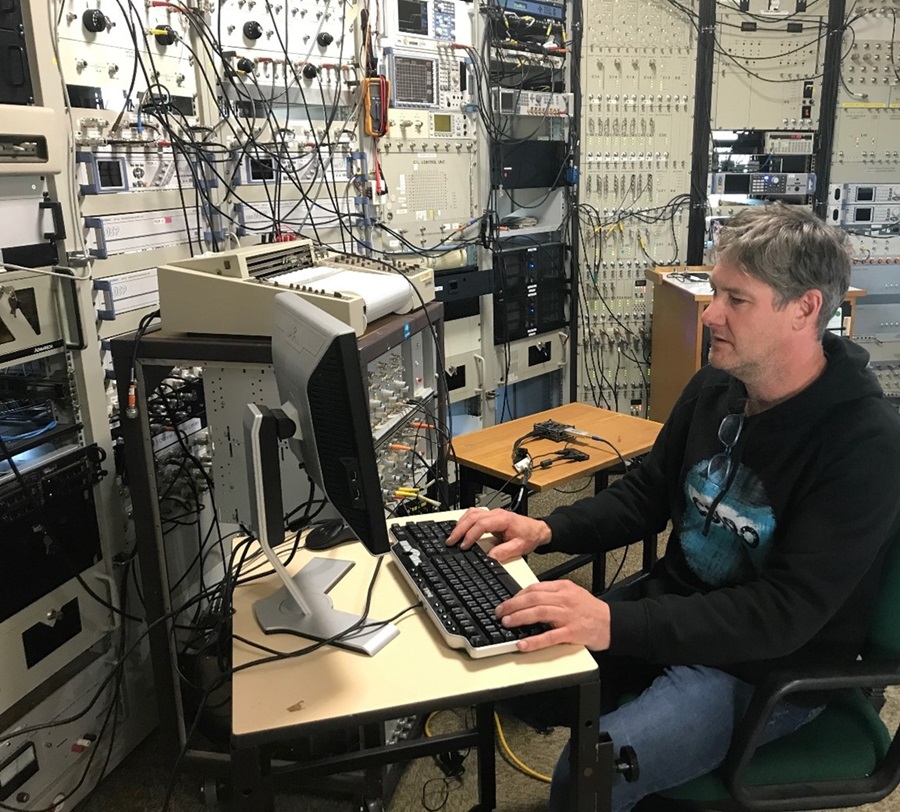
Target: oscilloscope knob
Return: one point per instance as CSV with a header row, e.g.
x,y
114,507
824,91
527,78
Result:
x,y
94,21
252,30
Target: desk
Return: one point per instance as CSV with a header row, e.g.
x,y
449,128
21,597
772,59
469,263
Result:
x,y
415,672
485,459
152,361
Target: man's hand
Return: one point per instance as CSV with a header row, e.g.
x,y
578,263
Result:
x,y
517,535
575,614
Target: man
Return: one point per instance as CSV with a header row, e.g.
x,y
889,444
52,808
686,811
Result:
x,y
766,469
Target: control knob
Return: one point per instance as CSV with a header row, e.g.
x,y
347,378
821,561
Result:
x,y
94,21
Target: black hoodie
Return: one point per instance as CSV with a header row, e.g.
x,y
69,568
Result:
x,y
786,569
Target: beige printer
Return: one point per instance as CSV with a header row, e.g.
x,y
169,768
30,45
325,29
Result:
x,y
231,292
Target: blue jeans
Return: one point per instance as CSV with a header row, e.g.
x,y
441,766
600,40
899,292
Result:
x,y
680,728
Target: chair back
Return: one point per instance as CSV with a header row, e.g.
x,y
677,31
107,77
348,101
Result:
x,y
883,639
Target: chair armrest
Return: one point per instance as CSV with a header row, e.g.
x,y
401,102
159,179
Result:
x,y
748,734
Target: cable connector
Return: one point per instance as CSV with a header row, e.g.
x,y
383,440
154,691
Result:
x,y
524,464
131,405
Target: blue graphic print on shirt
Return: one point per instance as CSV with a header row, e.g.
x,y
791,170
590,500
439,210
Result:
x,y
740,534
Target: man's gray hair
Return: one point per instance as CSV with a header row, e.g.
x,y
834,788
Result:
x,y
792,251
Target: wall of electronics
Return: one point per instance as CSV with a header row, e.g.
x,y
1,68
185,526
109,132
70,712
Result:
x,y
539,157
864,193
637,103
73,665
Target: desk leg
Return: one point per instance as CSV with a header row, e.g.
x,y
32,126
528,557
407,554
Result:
x,y
487,768
592,761
471,481
468,487
598,571
601,480
373,736
251,786
649,557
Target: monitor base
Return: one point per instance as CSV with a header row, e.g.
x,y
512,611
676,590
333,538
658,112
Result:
x,y
280,613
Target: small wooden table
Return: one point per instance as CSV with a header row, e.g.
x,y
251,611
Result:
x,y
485,460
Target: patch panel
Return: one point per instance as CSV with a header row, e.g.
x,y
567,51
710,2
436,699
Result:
x,y
97,54
291,216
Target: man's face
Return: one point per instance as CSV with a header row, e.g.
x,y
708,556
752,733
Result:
x,y
749,338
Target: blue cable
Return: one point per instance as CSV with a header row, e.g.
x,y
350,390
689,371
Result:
x,y
28,434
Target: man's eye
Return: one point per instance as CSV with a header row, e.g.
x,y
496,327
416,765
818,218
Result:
x,y
735,301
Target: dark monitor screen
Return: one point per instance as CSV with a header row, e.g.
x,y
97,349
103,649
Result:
x,y
325,417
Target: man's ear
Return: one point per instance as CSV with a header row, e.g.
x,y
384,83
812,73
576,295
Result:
x,y
809,305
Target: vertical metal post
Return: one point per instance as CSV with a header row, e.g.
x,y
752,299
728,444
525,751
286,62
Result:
x,y
703,82
487,769
574,228
591,760
831,75
251,785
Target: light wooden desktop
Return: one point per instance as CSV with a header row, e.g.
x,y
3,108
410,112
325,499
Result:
x,y
415,672
485,460
485,456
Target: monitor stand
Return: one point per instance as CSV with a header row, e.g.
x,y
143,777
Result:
x,y
302,605
280,612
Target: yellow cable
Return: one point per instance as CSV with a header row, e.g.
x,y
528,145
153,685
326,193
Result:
x,y
517,763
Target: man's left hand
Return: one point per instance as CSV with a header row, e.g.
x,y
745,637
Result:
x,y
575,614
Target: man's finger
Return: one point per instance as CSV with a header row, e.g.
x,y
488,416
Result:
x,y
543,592
464,523
544,640
493,522
507,551
533,614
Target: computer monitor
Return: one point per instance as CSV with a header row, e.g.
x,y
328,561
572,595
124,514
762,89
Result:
x,y
324,415
319,373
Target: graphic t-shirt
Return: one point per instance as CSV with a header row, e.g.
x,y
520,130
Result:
x,y
740,533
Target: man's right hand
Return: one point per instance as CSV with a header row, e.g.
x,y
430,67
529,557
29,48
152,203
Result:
x,y
517,535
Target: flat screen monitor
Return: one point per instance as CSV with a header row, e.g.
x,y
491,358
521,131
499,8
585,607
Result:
x,y
319,373
324,415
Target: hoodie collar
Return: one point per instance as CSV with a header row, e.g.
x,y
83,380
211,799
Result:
x,y
846,378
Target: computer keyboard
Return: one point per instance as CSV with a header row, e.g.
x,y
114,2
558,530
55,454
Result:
x,y
459,588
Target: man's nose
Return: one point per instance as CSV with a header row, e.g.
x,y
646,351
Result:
x,y
712,314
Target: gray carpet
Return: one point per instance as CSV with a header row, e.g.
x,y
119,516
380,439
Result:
x,y
139,784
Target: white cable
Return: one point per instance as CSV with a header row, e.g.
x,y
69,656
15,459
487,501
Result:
x,y
78,278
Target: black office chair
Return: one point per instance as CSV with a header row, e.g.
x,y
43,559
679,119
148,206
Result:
x,y
844,757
